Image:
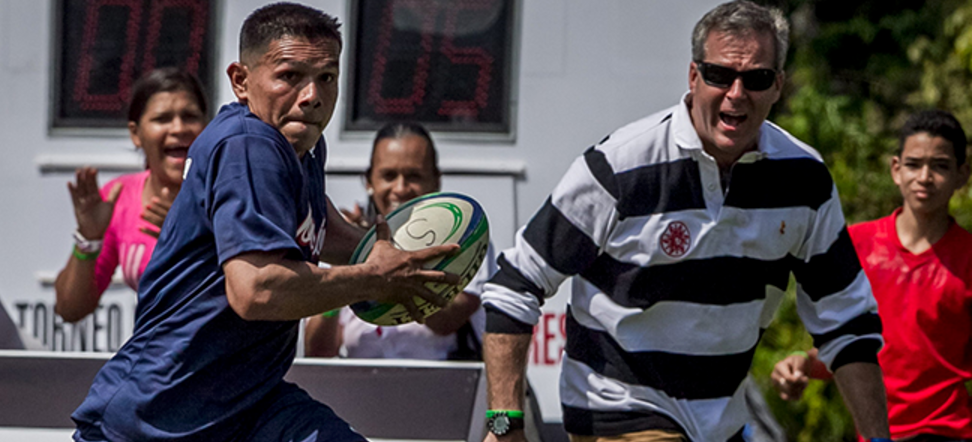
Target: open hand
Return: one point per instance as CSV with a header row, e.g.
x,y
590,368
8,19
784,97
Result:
x,y
93,213
401,275
790,376
156,210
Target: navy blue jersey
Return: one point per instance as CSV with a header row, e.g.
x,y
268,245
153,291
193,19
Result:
x,y
193,369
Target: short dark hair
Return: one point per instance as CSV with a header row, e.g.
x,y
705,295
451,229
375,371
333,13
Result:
x,y
739,18
278,20
937,123
400,130
163,80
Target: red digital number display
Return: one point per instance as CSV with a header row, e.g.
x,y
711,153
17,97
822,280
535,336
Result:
x,y
106,45
445,64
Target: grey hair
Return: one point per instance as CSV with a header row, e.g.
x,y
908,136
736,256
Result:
x,y
740,18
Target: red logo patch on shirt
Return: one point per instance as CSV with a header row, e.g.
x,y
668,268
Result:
x,y
676,239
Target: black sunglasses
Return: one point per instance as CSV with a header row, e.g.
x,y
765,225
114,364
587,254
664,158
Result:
x,y
723,77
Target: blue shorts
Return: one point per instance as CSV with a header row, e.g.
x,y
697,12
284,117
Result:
x,y
289,414
286,414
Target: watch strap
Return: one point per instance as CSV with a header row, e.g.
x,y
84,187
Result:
x,y
501,422
514,414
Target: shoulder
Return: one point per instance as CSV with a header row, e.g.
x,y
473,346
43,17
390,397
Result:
x,y
955,252
866,231
871,236
133,182
962,234
960,239
794,161
777,140
642,142
235,125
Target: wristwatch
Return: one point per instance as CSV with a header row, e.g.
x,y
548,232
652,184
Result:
x,y
501,422
85,245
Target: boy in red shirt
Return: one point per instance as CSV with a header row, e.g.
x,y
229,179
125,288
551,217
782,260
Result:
x,y
919,263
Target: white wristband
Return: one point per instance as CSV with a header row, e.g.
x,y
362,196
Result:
x,y
86,245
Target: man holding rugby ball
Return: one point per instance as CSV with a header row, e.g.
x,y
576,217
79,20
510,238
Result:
x,y
681,230
235,267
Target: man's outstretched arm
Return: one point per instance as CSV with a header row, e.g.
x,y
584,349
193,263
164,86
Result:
x,y
269,286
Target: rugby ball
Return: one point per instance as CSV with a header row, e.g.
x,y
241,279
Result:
x,y
426,221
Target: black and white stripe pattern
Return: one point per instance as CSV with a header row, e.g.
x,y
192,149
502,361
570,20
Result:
x,y
661,328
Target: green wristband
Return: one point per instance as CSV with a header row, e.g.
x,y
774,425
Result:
x,y
800,353
514,414
331,313
84,256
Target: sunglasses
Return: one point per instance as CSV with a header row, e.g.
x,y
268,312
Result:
x,y
723,77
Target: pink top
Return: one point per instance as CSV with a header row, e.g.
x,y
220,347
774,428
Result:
x,y
124,244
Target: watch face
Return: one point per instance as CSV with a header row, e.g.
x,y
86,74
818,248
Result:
x,y
500,425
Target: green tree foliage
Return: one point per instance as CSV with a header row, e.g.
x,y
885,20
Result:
x,y
855,71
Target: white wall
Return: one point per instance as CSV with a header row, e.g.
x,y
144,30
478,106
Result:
x,y
585,67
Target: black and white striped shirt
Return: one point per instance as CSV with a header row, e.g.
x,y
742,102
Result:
x,y
677,280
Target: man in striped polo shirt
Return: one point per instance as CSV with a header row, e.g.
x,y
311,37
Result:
x,y
682,230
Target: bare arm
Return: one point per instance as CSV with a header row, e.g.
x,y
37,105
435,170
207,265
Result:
x,y
448,320
862,387
75,289
268,286
323,336
506,359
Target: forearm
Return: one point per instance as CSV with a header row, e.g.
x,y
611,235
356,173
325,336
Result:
x,y
506,359
268,287
452,317
76,290
862,387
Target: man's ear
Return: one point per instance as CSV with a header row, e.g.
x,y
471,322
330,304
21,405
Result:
x,y
693,76
239,76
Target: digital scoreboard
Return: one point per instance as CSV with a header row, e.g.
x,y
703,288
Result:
x,y
104,46
443,63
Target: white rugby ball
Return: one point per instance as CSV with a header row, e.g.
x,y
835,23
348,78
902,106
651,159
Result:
x,y
426,221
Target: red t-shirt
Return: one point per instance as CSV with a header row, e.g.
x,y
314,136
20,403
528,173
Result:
x,y
925,303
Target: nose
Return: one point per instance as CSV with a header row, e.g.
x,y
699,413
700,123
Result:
x,y
736,89
310,95
925,175
401,189
179,126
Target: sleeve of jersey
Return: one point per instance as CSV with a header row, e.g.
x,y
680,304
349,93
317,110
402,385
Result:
x,y
562,239
486,270
834,297
253,198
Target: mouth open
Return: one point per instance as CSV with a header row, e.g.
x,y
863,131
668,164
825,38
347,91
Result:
x,y
732,120
177,152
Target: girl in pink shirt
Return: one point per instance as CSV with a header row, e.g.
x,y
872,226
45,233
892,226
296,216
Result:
x,y
119,224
